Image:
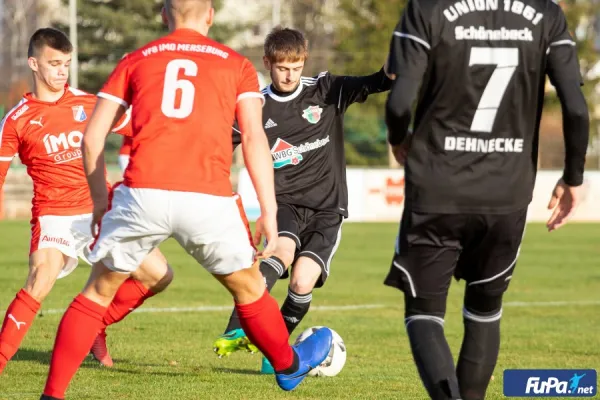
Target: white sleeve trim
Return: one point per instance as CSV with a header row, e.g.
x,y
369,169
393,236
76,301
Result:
x,y
249,95
7,159
412,37
563,42
113,98
125,121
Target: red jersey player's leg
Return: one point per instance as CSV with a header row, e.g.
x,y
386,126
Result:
x,y
153,276
45,266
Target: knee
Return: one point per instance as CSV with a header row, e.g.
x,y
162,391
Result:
x,y
305,275
303,284
164,282
481,305
246,285
420,306
40,281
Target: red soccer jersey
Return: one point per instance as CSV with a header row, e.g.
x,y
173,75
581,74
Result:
x,y
47,137
183,89
125,149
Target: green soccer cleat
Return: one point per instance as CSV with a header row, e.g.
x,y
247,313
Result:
x,y
232,341
266,367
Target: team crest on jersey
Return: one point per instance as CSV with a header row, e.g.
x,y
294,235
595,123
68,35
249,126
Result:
x,y
312,114
79,114
285,154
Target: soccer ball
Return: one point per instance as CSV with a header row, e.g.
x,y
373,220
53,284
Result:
x,y
336,359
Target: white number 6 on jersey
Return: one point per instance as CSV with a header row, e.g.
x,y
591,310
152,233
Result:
x,y
172,84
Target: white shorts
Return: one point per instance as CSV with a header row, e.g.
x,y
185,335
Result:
x,y
123,162
71,235
212,229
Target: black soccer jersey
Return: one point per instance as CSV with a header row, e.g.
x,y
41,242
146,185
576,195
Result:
x,y
306,133
483,65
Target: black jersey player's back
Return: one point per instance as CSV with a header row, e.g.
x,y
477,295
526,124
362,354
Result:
x,y
476,124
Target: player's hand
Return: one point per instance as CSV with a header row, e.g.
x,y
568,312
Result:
x,y
266,226
400,151
386,69
99,211
563,203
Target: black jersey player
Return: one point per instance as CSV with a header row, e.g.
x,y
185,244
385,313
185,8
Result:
x,y
303,119
479,68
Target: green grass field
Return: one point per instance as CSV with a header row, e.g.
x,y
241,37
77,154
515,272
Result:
x,y
551,320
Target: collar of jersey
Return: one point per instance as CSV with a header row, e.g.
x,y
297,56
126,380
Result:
x,y
283,99
29,97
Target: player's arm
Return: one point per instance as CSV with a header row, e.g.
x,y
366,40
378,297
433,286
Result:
x,y
346,90
9,145
106,114
564,72
257,155
408,59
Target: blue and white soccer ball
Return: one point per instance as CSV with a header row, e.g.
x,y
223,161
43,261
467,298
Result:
x,y
336,359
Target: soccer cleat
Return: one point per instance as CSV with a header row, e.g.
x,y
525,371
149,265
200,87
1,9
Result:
x,y
266,367
99,350
232,341
311,353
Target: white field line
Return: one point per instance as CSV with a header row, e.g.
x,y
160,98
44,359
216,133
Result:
x,y
202,309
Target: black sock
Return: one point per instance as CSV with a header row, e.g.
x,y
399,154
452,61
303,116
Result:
x,y
294,309
478,354
294,367
432,356
271,268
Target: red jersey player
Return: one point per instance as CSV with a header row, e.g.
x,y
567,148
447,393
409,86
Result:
x,y
185,90
46,129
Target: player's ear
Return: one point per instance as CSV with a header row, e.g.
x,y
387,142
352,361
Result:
x,y
210,18
267,63
33,64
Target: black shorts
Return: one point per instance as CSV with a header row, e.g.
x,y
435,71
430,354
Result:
x,y
432,248
317,234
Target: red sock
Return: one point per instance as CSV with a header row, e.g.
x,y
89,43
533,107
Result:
x,y
130,296
76,333
19,316
263,324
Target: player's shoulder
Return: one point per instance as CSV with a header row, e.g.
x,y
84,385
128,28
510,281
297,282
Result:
x,y
78,97
322,79
17,113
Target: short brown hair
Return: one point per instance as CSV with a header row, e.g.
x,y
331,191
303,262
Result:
x,y
50,37
285,44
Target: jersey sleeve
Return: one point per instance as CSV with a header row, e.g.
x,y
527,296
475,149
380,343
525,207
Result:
x,y
248,86
123,126
562,62
346,90
117,87
411,43
9,146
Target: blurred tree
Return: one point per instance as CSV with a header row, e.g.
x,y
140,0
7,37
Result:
x,y
362,41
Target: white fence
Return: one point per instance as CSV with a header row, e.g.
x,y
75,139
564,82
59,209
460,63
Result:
x,y
377,195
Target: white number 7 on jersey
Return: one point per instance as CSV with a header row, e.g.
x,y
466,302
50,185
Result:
x,y
506,60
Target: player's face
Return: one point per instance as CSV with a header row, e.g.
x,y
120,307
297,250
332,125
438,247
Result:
x,y
51,67
285,75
